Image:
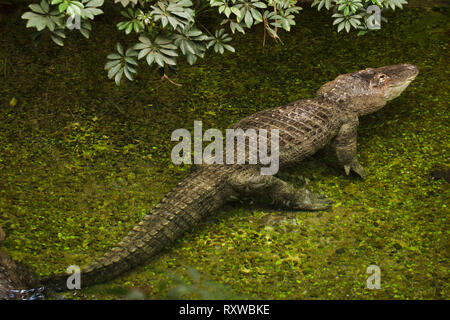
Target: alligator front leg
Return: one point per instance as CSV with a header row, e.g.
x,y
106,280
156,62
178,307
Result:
x,y
345,146
280,193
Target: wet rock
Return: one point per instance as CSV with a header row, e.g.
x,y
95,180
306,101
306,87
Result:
x,y
15,279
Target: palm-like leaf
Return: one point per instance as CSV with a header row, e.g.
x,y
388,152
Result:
x,y
161,50
121,63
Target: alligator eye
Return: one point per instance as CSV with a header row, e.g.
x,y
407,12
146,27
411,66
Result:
x,y
382,77
378,79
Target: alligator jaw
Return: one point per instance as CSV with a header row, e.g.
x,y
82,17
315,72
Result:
x,y
400,76
395,90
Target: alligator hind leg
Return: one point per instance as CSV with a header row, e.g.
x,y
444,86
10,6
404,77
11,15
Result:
x,y
279,192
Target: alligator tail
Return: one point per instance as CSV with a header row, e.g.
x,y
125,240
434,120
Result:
x,y
199,194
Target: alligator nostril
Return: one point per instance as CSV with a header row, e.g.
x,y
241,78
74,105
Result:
x,y
412,68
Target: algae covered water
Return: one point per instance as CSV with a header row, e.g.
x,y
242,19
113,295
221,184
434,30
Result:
x,y
81,162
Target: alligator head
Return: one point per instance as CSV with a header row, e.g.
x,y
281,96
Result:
x,y
368,90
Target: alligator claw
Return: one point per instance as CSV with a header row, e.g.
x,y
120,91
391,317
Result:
x,y
347,169
311,201
321,204
356,167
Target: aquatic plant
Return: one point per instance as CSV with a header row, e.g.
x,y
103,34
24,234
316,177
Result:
x,y
166,28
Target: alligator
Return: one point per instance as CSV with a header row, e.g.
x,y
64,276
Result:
x,y
304,127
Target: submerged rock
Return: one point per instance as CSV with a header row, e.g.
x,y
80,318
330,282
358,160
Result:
x,y
16,279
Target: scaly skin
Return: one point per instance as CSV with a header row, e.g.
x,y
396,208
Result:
x,y
305,126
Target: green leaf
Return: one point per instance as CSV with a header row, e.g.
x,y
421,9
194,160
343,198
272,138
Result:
x,y
143,52
229,48
131,60
111,64
227,11
150,58
129,28
37,8
168,60
128,74
119,48
95,3
58,40
63,6
260,5
85,33
113,70
169,52
236,11
90,13
248,19
45,6
159,59
112,56
191,58
118,76
236,26
256,15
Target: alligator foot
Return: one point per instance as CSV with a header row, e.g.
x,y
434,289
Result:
x,y
280,193
356,167
306,200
